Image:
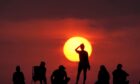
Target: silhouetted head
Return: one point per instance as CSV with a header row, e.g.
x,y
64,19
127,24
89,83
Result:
x,y
82,46
42,64
102,67
17,68
61,67
119,66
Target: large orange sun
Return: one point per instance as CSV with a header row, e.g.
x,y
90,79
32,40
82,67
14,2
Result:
x,y
70,46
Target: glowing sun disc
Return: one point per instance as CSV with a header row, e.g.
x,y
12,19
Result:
x,y
70,46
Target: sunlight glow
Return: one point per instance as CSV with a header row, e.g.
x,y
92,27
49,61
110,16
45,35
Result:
x,y
70,46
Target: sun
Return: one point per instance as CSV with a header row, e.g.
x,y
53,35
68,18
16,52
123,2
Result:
x,y
70,46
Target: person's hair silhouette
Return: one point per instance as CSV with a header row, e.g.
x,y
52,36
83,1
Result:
x,y
83,63
103,76
18,76
59,76
120,76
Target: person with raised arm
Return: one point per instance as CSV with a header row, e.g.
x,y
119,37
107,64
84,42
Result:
x,y
83,62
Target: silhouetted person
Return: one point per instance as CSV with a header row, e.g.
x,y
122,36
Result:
x,y
59,76
120,76
42,73
39,73
83,63
103,76
18,76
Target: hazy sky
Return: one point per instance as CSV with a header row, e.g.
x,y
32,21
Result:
x,y
36,30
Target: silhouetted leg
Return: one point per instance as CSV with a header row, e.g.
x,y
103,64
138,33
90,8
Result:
x,y
114,81
45,81
66,80
78,74
40,81
85,73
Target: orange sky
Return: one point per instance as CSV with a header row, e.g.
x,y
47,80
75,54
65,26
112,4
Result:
x,y
36,30
28,42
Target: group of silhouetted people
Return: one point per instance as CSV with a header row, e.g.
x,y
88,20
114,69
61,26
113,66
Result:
x,y
59,76
119,75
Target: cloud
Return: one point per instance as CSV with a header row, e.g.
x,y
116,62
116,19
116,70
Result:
x,y
116,23
91,9
30,29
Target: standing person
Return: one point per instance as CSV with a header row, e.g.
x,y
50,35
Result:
x,y
83,63
42,71
18,76
120,76
59,76
103,76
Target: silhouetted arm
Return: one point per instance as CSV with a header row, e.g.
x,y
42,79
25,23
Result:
x,y
45,70
52,77
77,49
13,78
126,73
23,78
88,65
87,61
65,75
